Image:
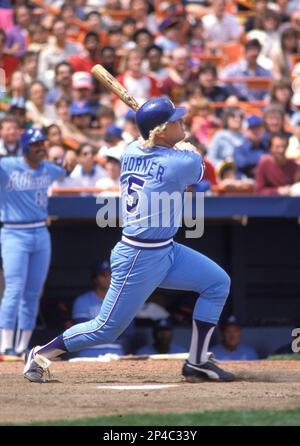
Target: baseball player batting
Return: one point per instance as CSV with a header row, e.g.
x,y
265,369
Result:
x,y
25,239
147,257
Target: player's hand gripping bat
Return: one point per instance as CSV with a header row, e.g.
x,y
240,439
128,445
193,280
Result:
x,y
111,83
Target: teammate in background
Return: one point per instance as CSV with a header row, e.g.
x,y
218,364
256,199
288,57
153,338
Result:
x,y
147,256
88,305
25,240
162,336
231,348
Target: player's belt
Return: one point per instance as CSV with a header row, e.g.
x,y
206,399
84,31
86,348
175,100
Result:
x,y
38,224
146,244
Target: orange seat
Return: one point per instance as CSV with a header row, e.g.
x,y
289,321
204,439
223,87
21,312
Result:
x,y
254,83
208,57
232,52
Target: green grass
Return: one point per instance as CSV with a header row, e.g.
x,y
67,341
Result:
x,y
236,417
291,357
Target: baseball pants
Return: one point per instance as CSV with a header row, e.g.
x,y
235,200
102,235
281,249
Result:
x,y
26,258
136,273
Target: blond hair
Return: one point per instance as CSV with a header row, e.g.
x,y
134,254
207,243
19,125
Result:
x,y
148,143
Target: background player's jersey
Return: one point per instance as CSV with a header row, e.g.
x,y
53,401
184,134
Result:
x,y
149,177
23,190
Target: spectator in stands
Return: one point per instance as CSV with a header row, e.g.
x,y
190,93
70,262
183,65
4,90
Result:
x,y
115,40
82,85
88,305
143,16
273,117
54,136
17,87
67,13
29,67
267,32
108,59
162,336
196,37
209,179
140,85
128,28
63,83
10,137
87,173
112,138
130,130
72,135
41,114
37,38
17,109
282,54
208,78
70,161
170,34
225,141
94,22
111,183
282,93
16,42
204,122
106,117
231,348
58,50
275,173
142,39
293,150
220,26
153,63
81,115
8,62
229,181
247,155
247,67
253,21
180,75
295,20
56,154
90,56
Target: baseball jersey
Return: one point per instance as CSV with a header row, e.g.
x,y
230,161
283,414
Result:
x,y
241,353
149,177
23,190
86,306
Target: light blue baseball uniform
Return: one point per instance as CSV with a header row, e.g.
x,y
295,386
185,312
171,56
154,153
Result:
x,y
25,240
86,307
147,257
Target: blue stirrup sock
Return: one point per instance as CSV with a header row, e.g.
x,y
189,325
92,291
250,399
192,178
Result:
x,y
54,348
201,334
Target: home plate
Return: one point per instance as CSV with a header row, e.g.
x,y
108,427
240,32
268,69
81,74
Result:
x,y
139,387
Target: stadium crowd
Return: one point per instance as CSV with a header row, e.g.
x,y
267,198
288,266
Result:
x,y
234,64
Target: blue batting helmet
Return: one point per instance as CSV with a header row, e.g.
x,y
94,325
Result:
x,y
155,112
31,136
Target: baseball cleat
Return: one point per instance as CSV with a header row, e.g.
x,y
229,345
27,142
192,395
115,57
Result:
x,y
36,367
208,371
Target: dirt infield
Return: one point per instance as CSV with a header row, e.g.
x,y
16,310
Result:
x,y
73,391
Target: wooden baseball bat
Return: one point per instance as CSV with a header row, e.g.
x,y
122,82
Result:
x,y
113,85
